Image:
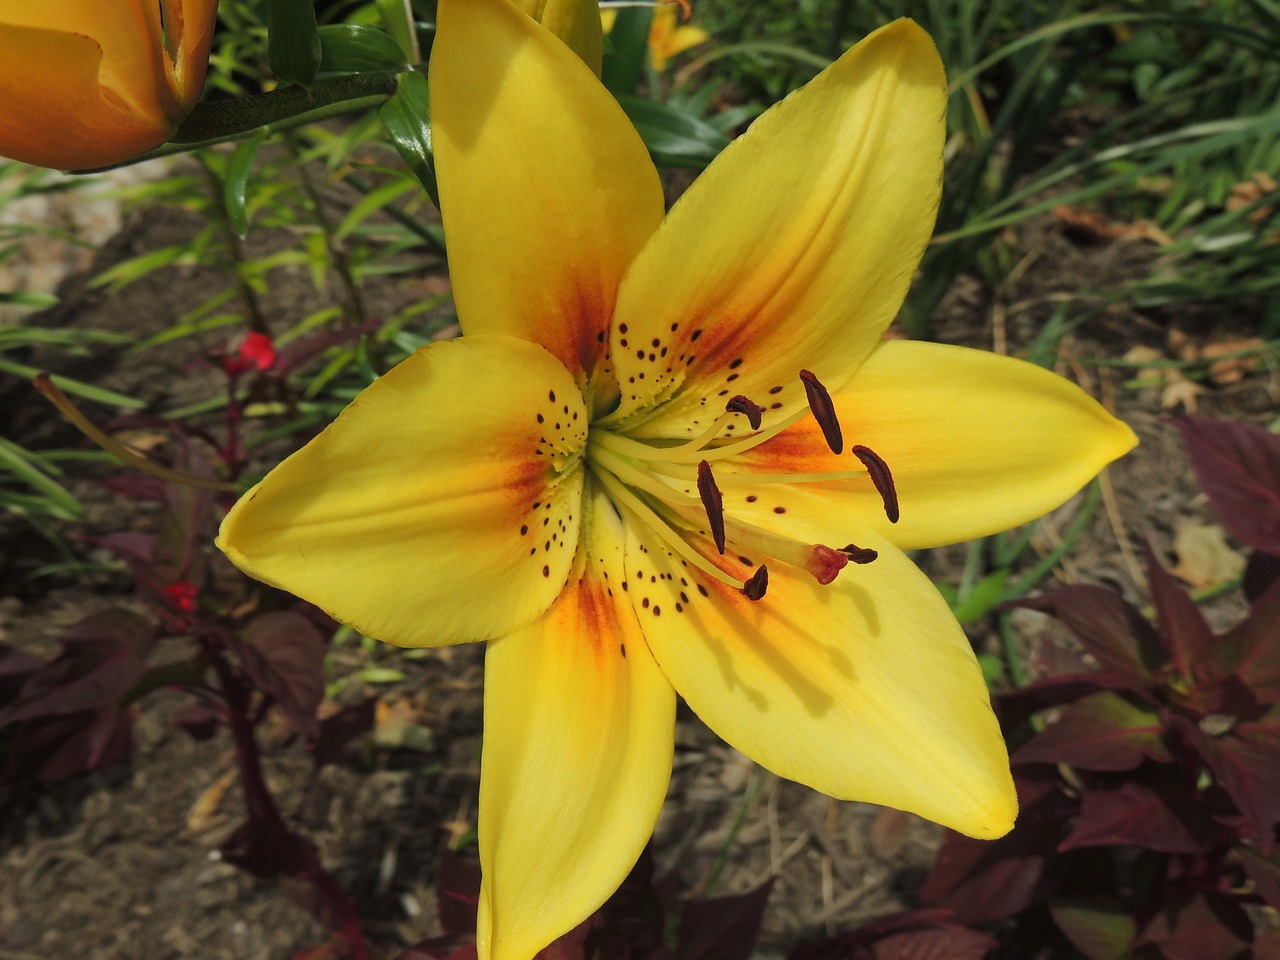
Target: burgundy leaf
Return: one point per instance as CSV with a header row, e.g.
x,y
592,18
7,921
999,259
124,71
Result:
x,y
1165,819
982,881
1098,926
1260,572
912,935
1266,944
1015,707
1238,466
1105,731
102,657
337,731
1245,762
16,668
56,747
268,850
1208,925
941,943
1251,649
632,923
1183,630
139,487
1264,872
1106,626
283,653
453,947
724,928
457,893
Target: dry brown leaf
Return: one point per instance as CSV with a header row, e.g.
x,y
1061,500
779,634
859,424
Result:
x,y
1204,557
1231,369
1181,346
396,725
202,812
1261,184
1088,226
1179,392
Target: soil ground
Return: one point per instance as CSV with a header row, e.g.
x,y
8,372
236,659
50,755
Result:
x,y
122,863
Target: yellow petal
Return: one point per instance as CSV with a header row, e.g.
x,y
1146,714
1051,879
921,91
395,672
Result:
x,y
546,189
55,112
442,505
977,443
193,23
865,689
576,22
578,739
686,38
796,246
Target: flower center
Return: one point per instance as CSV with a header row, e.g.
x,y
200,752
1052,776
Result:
x,y
672,489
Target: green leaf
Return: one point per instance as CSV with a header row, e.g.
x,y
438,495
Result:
x,y
407,117
397,16
1098,926
372,202
293,40
74,387
237,181
351,48
61,504
626,50
986,593
674,138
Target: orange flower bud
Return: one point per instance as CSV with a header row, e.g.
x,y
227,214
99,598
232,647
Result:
x,y
88,83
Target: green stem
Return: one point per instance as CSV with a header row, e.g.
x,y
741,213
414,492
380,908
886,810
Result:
x,y
222,119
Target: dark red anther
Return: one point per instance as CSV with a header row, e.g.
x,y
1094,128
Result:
x,y
857,554
712,502
824,411
755,587
881,477
749,408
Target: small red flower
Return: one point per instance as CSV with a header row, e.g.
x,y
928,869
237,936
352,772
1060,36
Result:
x,y
181,596
256,352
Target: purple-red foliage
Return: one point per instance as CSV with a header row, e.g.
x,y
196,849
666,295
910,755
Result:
x,y
1172,748
633,924
1151,797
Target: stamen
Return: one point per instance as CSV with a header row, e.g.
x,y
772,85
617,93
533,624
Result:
x,y
712,502
857,554
645,514
881,477
824,411
692,451
642,479
749,408
755,587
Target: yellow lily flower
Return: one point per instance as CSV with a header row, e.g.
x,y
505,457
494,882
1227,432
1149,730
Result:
x,y
90,83
627,474
667,37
